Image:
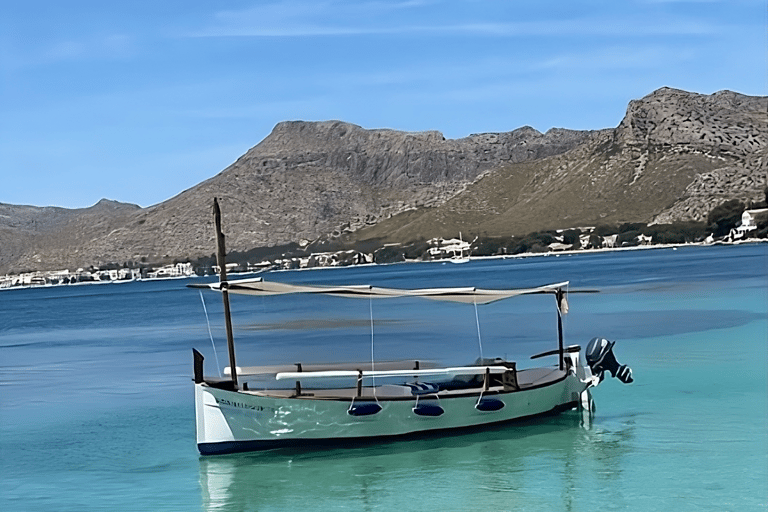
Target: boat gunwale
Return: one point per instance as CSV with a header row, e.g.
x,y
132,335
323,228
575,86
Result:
x,y
442,394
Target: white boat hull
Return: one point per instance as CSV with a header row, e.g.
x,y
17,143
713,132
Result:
x,y
235,421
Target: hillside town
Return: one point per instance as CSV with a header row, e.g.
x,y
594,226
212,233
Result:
x,y
94,275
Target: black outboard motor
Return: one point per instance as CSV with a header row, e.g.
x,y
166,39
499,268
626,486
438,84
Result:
x,y
599,355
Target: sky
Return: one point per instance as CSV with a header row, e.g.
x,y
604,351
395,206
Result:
x,y
137,101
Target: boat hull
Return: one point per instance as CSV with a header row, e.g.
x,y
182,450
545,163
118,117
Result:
x,y
232,421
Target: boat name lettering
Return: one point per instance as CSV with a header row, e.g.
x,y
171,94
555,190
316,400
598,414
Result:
x,y
224,401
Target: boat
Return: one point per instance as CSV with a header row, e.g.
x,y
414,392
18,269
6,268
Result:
x,y
374,401
455,250
458,251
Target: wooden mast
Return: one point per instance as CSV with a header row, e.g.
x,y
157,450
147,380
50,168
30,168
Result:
x,y
222,263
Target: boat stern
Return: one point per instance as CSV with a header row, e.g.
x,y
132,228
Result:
x,y
600,358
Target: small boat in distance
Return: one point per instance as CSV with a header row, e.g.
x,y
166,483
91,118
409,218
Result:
x,y
385,399
455,250
459,256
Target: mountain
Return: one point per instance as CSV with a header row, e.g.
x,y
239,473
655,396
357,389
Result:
x,y
40,238
674,156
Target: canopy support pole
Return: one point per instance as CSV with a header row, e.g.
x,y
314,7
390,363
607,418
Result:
x,y
222,263
560,348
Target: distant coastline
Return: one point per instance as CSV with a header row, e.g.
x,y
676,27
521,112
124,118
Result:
x,y
262,268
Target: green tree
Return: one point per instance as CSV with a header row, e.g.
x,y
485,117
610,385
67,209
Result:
x,y
595,241
723,218
571,237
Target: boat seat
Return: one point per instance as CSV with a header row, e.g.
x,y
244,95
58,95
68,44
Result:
x,y
538,376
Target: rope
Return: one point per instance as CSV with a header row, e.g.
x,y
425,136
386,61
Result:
x,y
477,321
373,379
210,334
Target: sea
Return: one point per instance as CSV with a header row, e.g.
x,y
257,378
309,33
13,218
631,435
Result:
x,y
97,412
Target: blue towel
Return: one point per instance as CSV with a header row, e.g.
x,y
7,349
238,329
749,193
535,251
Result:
x,y
423,388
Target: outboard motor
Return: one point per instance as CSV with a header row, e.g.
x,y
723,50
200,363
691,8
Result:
x,y
599,355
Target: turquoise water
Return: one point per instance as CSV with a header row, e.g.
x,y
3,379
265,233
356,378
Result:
x,y
97,412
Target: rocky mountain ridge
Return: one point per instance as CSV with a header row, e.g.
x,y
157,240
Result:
x,y
673,157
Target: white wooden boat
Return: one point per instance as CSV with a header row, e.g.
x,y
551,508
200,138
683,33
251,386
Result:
x,y
410,399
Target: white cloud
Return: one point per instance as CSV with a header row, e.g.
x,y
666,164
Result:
x,y
617,58
302,18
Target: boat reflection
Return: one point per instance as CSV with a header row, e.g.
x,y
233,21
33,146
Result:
x,y
556,462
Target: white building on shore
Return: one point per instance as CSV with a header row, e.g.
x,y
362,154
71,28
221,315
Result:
x,y
177,270
749,220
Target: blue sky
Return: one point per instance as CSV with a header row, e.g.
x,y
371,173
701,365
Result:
x,y
138,101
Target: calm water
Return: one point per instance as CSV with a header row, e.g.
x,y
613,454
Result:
x,y
97,413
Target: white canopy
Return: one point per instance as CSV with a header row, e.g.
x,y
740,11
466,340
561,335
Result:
x,y
257,286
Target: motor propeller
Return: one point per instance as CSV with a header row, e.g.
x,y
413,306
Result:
x,y
600,358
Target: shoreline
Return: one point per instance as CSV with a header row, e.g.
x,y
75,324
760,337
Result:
x,y
524,255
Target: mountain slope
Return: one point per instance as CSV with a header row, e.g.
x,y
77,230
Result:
x,y
674,156
304,181
33,238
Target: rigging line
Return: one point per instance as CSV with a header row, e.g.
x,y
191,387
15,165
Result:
x,y
477,321
373,379
210,334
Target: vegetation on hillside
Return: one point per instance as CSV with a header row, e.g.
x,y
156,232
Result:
x,y
721,222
